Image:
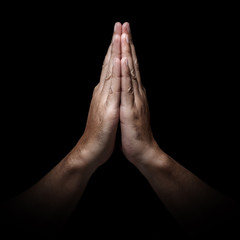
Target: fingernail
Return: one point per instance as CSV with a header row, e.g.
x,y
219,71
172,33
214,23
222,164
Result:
x,y
126,61
115,27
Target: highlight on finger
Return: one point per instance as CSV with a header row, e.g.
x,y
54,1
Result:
x,y
127,91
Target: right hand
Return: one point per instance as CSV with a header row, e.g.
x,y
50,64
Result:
x,y
137,137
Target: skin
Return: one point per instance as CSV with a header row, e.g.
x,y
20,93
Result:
x,y
97,142
137,137
195,205
119,96
46,205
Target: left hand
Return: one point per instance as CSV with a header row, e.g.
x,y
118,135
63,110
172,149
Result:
x,y
97,143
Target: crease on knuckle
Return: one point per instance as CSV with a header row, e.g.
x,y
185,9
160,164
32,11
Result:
x,y
108,75
130,90
133,74
136,63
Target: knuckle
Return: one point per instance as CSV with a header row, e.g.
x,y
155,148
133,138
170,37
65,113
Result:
x,y
95,90
130,90
127,52
108,75
136,64
123,60
116,38
126,75
104,64
110,90
96,87
133,74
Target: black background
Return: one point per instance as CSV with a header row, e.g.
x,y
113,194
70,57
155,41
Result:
x,y
52,58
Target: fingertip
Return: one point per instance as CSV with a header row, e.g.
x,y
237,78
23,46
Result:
x,y
126,27
118,28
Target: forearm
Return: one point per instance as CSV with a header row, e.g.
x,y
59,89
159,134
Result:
x,y
51,200
191,201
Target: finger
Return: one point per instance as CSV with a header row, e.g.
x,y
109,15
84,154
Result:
x,y
118,28
116,49
116,46
127,91
127,53
115,88
115,53
107,66
126,49
127,30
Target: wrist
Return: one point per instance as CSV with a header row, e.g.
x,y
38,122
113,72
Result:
x,y
79,161
154,159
